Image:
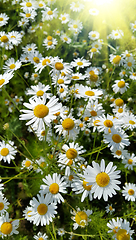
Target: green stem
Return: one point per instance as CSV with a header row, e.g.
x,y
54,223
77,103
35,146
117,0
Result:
x,y
10,99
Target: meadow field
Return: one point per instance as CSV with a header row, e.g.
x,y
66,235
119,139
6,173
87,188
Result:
x,y
68,119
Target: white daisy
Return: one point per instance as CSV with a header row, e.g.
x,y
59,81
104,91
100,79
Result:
x,y
75,26
129,191
103,180
94,11
49,14
129,121
5,41
81,186
61,231
76,6
4,78
116,139
89,94
50,44
43,210
44,62
8,226
133,26
40,113
29,14
109,209
7,151
65,38
38,91
11,65
64,18
93,35
116,60
3,19
15,37
80,63
29,48
129,160
53,187
3,204
81,218
27,213
120,86
40,236
27,163
41,164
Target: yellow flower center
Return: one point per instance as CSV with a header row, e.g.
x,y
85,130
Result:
x,y
127,55
27,163
59,65
134,26
41,111
49,12
4,39
108,123
86,187
40,238
13,37
35,75
54,188
40,93
63,18
86,118
4,152
116,60
81,218
49,38
12,66
70,162
70,177
120,110
122,235
124,72
71,153
102,179
2,81
28,4
110,208
130,161
68,124
36,59
28,15
129,64
131,122
89,93
116,138
42,209
1,206
119,102
6,228
76,5
50,43
1,19
131,192
43,164
93,50
93,76
81,125
44,62
116,34
17,99
93,113
118,152
75,77
43,133
60,81
96,122
40,5
134,74
79,63
75,26
61,90
93,35
29,214
65,38
121,84
96,45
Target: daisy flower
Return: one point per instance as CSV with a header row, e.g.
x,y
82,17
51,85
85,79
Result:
x,y
53,187
76,26
132,75
1,186
92,74
89,94
43,210
28,164
31,4
49,14
115,60
129,191
29,14
29,48
93,51
35,57
23,22
59,80
10,65
116,139
107,123
81,186
40,236
129,160
65,38
81,218
68,127
38,91
5,41
27,213
40,112
120,229
3,19
61,231
120,112
129,121
7,226
116,34
129,63
118,102
94,11
64,18
7,151
76,6
77,76
119,153
123,73
44,62
69,156
103,180
120,86
34,77
18,100
40,164
93,35
109,209
4,78
15,37
59,67
51,43
133,26
80,63
40,4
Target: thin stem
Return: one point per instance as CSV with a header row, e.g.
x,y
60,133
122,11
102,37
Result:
x,y
10,99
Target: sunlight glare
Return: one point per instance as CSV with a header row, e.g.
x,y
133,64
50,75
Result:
x,y
102,2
